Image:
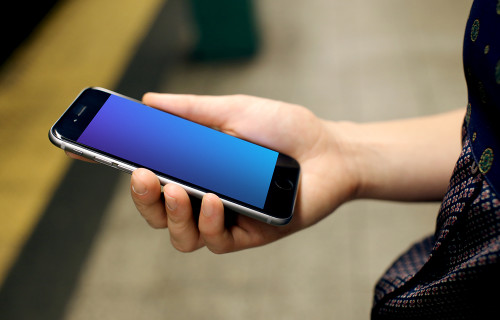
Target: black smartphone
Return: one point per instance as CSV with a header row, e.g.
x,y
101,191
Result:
x,y
125,134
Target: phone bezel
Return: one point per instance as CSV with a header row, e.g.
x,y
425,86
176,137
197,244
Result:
x,y
280,203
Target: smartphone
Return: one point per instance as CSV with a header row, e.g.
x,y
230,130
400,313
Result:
x,y
125,134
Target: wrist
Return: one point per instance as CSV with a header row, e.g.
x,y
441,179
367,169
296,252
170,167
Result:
x,y
350,150
364,155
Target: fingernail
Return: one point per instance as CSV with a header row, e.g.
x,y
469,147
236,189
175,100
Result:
x,y
206,210
139,188
170,202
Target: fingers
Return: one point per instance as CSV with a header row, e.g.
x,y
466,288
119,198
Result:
x,y
196,108
146,194
214,233
247,117
175,212
184,234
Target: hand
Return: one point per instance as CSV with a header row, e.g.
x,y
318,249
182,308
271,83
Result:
x,y
290,129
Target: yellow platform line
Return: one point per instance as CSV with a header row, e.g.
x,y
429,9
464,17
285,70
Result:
x,y
81,43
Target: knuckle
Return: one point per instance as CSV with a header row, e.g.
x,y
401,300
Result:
x,y
182,246
180,227
156,225
141,207
176,219
184,250
220,248
219,251
153,223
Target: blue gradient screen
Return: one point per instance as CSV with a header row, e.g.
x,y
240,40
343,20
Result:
x,y
182,149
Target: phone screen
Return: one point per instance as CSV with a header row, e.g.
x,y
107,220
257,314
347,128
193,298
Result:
x,y
182,149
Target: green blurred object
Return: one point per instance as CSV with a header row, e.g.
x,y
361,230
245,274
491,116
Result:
x,y
226,29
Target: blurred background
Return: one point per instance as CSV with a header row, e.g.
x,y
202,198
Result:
x,y
72,245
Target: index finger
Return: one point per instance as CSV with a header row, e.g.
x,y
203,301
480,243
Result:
x,y
196,108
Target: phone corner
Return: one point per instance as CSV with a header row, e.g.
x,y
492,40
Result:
x,y
280,222
54,139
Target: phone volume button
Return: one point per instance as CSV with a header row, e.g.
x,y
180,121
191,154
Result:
x,y
77,152
101,160
124,169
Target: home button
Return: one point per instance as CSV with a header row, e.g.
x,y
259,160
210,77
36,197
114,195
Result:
x,y
284,184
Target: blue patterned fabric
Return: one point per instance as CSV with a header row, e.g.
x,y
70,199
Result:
x,y
455,273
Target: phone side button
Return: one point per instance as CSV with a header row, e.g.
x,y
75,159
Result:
x,y
77,152
124,169
101,160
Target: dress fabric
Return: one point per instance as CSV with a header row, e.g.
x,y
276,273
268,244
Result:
x,y
455,273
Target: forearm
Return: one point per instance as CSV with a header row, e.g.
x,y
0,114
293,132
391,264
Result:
x,y
407,160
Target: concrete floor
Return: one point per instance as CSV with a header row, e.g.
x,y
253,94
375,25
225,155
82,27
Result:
x,y
354,60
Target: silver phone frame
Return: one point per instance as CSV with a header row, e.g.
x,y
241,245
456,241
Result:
x,y
115,163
